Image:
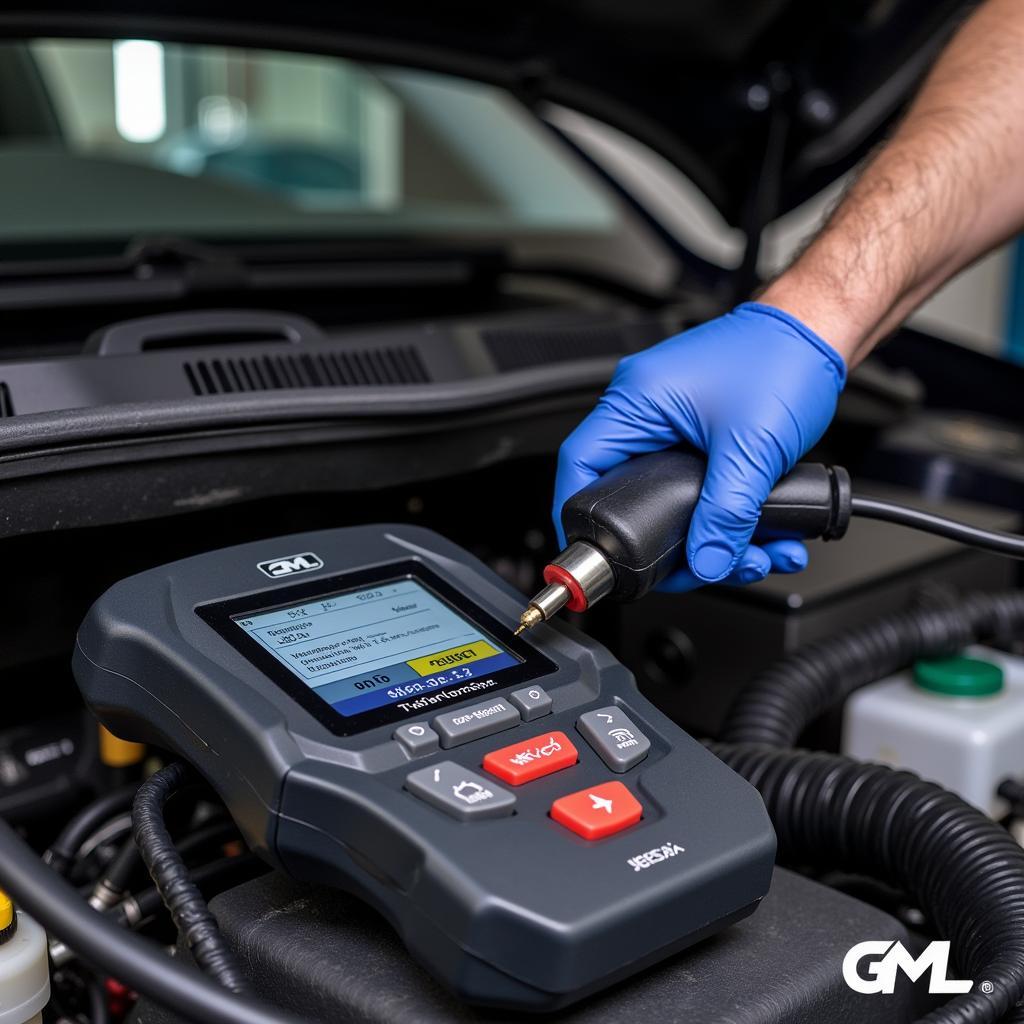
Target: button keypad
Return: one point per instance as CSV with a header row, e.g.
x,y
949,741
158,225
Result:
x,y
531,759
532,701
474,722
459,792
617,740
417,738
598,811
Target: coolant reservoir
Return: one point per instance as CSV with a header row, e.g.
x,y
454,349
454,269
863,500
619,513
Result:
x,y
24,970
955,721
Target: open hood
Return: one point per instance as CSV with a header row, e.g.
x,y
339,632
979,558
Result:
x,y
760,102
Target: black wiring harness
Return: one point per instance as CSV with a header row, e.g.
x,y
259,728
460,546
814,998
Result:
x,y
173,880
132,959
179,886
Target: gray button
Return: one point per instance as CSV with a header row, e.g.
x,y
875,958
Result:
x,y
533,702
471,723
459,792
618,742
417,738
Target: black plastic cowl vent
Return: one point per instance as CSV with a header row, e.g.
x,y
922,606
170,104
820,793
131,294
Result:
x,y
515,348
378,367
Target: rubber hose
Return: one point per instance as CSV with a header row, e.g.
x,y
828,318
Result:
x,y
99,1008
780,702
61,854
1012,791
180,894
963,870
118,873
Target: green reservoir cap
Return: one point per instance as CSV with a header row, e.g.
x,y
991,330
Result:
x,y
959,677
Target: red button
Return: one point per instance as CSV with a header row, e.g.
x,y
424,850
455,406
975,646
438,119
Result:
x,y
599,811
531,759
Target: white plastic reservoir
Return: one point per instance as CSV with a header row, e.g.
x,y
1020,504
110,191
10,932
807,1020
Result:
x,y
956,721
24,969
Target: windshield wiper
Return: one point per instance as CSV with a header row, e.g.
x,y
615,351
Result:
x,y
167,267
141,252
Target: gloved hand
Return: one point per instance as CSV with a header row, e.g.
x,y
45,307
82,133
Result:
x,y
754,390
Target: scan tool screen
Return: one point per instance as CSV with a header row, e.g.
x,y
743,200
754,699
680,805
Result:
x,y
364,649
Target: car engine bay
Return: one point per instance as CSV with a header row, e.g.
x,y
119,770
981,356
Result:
x,y
232,463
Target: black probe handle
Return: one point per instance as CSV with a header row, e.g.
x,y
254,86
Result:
x,y
639,513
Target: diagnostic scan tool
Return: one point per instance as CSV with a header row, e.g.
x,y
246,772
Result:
x,y
529,823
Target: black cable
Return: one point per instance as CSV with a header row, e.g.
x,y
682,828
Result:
x,y
62,852
116,879
1012,791
167,868
1001,543
964,871
131,959
105,836
780,702
145,904
117,875
99,1009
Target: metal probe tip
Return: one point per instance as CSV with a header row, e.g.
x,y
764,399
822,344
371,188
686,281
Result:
x,y
529,619
542,606
580,564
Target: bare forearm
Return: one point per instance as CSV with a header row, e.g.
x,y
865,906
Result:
x,y
948,187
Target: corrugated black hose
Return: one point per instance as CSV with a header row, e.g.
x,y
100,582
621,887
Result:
x,y
965,871
780,702
172,878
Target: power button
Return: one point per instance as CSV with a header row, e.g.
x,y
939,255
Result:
x,y
532,701
417,738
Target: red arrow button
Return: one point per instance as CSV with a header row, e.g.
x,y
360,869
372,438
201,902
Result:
x,y
599,811
531,759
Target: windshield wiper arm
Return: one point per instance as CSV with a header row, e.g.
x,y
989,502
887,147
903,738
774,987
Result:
x,y
139,253
169,267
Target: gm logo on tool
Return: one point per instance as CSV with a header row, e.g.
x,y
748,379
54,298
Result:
x,y
306,562
894,958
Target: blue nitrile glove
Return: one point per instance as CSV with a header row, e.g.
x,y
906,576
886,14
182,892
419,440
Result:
x,y
753,389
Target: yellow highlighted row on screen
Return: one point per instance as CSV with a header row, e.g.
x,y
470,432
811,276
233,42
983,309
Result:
x,y
452,658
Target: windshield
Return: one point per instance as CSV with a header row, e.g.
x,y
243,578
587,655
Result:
x,y
116,139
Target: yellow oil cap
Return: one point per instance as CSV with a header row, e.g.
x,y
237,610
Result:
x,y
6,917
118,753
